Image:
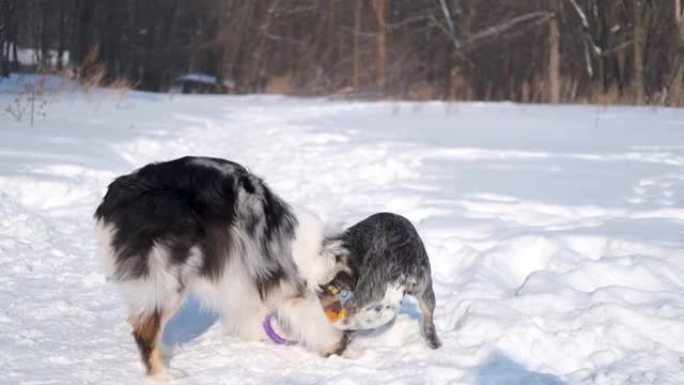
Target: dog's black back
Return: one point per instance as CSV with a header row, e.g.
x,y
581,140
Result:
x,y
190,202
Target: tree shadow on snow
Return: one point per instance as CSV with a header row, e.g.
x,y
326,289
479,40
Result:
x,y
501,370
191,321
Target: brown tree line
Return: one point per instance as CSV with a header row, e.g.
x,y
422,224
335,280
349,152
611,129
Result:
x,y
602,51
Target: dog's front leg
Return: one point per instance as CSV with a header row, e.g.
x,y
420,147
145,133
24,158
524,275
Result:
x,y
307,322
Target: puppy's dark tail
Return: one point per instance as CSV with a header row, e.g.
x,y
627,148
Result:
x,y
426,301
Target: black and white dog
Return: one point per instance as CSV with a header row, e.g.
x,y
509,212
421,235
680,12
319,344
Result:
x,y
385,260
210,226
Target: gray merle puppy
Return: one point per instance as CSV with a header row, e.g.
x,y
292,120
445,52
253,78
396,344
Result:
x,y
386,260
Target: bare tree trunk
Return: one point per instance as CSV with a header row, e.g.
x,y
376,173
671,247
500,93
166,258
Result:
x,y
554,61
82,40
637,53
44,63
379,6
6,12
60,37
357,32
13,38
674,88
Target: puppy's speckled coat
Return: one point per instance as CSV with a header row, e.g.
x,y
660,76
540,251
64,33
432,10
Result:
x,y
386,260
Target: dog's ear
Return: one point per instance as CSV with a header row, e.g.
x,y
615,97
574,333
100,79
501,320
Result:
x,y
333,248
345,281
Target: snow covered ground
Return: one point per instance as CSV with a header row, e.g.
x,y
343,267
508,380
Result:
x,y
555,235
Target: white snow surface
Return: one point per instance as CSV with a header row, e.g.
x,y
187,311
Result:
x,y
555,235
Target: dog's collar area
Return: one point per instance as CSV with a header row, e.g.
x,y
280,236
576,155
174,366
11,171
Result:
x,y
332,290
272,334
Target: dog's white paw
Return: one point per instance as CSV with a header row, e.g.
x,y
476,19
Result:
x,y
168,375
352,353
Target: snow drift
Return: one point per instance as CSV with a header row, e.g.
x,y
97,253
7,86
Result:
x,y
555,235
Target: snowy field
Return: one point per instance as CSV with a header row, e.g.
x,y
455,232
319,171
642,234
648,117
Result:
x,y
556,235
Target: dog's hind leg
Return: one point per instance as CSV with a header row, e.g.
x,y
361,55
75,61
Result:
x,y
426,301
147,331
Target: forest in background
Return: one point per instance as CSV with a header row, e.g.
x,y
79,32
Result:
x,y
579,51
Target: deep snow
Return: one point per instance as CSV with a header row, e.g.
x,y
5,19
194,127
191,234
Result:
x,y
555,235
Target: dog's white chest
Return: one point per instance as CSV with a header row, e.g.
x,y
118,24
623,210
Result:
x,y
375,314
